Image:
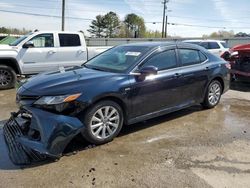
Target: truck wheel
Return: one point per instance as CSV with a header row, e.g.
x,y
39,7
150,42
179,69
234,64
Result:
x,y
213,94
103,122
7,77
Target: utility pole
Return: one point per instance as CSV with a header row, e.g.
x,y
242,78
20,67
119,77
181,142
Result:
x,y
166,26
63,14
164,14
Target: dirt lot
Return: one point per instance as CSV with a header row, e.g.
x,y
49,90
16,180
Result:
x,y
190,148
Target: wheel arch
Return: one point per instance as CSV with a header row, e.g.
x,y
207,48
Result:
x,y
220,79
11,62
113,98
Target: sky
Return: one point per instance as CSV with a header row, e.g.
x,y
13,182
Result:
x,y
186,18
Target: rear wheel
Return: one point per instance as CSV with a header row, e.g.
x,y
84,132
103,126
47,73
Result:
x,y
7,77
103,122
213,94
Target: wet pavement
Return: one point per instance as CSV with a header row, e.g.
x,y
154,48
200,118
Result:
x,y
189,148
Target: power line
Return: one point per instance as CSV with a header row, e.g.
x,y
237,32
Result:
x,y
45,15
206,26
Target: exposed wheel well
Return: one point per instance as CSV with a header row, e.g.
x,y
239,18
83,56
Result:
x,y
11,63
221,82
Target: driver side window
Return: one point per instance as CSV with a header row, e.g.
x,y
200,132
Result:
x,y
163,60
43,41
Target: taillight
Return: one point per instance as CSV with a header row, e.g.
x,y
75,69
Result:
x,y
228,65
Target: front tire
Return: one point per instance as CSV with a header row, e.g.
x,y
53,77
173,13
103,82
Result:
x,y
213,94
103,122
7,77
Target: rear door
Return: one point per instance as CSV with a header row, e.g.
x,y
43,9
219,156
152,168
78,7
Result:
x,y
194,74
71,50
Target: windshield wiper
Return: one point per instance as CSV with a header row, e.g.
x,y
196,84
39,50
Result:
x,y
94,68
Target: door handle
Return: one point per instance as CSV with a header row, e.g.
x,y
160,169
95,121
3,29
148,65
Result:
x,y
206,68
177,75
51,52
80,51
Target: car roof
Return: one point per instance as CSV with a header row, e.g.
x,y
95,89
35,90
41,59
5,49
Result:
x,y
153,45
150,44
203,40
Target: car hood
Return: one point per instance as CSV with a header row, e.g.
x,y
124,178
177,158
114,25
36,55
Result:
x,y
4,47
70,81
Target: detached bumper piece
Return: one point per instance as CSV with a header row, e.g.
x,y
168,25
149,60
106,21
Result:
x,y
19,154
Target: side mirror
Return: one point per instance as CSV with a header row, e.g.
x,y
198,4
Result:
x,y
28,44
149,70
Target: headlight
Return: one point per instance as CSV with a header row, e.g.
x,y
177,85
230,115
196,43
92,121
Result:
x,y
53,100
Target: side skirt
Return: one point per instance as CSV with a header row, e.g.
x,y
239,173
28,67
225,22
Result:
x,y
160,113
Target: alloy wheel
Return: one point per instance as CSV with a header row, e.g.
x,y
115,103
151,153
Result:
x,y
105,122
5,77
214,94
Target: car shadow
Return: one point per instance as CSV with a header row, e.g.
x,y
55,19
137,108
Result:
x,y
240,86
78,144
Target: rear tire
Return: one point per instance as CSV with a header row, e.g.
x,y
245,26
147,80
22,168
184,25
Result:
x,y
7,77
103,122
213,94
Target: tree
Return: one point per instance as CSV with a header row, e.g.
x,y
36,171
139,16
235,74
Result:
x,y
13,31
135,26
220,34
153,34
97,27
111,24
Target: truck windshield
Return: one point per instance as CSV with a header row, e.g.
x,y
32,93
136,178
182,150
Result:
x,y
117,59
17,41
224,44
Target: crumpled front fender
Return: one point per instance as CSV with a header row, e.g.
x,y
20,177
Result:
x,y
56,131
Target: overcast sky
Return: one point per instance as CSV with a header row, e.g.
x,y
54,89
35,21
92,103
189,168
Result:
x,y
193,17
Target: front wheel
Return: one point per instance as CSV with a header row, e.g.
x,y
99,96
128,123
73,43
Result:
x,y
103,122
7,77
213,94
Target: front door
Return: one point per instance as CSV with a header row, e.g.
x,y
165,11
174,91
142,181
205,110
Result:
x,y
41,57
156,92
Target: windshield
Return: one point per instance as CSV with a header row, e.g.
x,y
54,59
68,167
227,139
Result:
x,y
17,41
117,59
224,44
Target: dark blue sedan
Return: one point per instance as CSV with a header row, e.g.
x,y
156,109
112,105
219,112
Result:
x,y
124,85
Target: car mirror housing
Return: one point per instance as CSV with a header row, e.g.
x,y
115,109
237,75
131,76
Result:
x,y
148,70
28,44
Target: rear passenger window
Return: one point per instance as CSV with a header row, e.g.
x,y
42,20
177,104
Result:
x,y
213,45
69,40
163,60
204,45
202,57
189,57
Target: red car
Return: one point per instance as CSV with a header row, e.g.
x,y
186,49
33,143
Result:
x,y
239,58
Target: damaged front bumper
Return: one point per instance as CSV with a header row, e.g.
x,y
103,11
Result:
x,y
33,134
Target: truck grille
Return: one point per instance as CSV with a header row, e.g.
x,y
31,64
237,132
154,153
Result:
x,y
19,155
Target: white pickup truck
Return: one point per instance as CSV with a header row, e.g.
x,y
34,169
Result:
x,y
41,51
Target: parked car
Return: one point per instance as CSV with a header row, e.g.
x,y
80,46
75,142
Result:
x,y
216,47
124,85
239,58
42,51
